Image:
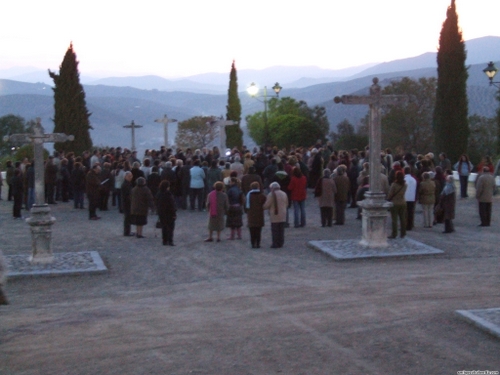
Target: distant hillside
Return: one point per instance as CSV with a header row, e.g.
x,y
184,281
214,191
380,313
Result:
x,y
479,51
113,106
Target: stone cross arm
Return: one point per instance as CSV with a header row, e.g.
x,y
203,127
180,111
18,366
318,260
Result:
x,y
222,122
45,138
17,138
165,120
58,137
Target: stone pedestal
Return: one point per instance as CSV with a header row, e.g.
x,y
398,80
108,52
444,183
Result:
x,y
374,224
41,234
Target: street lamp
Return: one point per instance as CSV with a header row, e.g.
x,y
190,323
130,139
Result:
x,y
490,72
253,90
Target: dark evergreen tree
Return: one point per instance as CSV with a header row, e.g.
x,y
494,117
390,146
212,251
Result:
x,y
70,109
450,120
234,134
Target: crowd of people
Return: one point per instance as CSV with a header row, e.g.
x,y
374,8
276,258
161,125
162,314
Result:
x,y
244,181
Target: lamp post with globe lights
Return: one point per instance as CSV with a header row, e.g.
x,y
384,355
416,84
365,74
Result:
x,y
490,72
253,91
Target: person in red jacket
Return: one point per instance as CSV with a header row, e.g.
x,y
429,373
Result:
x,y
298,195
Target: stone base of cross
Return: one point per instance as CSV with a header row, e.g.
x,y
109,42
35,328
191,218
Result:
x,y
41,234
375,205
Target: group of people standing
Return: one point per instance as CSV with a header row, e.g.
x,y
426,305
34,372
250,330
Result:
x,y
251,182
433,186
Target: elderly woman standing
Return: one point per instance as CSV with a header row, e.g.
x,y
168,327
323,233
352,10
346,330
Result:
x,y
141,200
277,203
325,192
398,210
217,206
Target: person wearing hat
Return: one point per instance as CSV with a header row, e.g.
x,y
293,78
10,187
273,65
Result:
x,y
141,200
277,203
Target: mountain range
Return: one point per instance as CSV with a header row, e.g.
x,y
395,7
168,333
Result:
x,y
116,101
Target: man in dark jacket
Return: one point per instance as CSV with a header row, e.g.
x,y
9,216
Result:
x,y
126,190
92,188
166,212
50,180
185,175
17,193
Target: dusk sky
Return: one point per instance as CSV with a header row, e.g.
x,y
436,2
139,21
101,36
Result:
x,y
182,38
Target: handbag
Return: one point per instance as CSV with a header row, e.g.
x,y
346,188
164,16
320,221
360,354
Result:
x,y
396,193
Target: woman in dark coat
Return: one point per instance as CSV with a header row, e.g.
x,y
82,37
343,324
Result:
x,y
141,200
316,168
398,210
126,191
153,181
165,207
235,212
17,193
254,207
447,202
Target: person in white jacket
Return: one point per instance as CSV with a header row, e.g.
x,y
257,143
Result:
x,y
410,197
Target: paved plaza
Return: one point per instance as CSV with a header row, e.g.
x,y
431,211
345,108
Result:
x,y
224,308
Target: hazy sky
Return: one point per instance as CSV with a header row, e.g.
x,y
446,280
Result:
x,y
185,37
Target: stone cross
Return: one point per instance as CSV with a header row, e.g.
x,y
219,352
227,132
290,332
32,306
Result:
x,y
374,206
133,126
165,120
221,123
40,220
38,138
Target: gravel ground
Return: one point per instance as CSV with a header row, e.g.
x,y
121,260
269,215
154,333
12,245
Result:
x,y
224,308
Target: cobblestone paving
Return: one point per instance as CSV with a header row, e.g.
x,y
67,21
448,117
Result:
x,y
224,308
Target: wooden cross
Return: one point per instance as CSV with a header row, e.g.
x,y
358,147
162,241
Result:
x,y
375,100
165,120
133,126
38,138
221,123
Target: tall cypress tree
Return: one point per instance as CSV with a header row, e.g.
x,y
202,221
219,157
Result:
x,y
450,122
70,109
234,134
